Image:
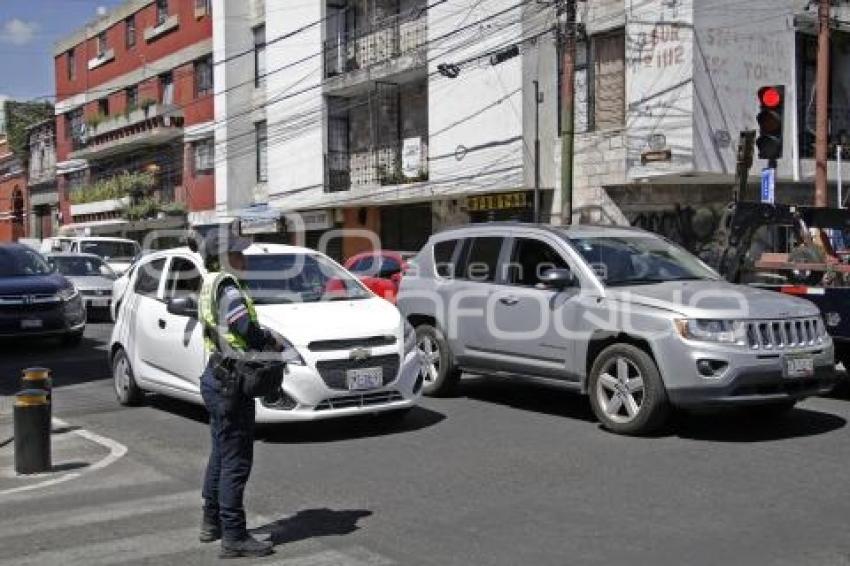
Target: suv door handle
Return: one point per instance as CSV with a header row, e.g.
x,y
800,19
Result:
x,y
509,300
161,323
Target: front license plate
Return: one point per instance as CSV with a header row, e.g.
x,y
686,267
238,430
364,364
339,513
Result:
x,y
799,367
31,324
366,378
99,303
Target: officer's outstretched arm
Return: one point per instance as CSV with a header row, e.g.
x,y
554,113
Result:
x,y
239,321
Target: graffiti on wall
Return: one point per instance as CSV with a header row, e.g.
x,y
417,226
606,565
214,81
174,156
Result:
x,y
691,227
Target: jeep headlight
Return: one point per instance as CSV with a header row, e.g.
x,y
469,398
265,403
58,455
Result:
x,y
289,353
717,331
409,338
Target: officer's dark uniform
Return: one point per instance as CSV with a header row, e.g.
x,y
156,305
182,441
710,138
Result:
x,y
231,424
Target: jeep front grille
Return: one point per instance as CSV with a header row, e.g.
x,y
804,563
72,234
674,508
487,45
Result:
x,y
784,334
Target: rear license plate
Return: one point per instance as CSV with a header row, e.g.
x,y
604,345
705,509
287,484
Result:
x,y
31,324
799,366
365,378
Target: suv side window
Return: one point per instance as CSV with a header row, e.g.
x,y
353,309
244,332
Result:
x,y
147,280
443,254
483,259
530,259
184,279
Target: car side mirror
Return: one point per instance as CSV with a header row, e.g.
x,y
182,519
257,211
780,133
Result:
x,y
558,279
183,306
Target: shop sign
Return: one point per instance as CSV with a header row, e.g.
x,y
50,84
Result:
x,y
502,201
311,220
411,157
259,220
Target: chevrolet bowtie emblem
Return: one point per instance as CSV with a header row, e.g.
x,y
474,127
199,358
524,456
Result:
x,y
360,354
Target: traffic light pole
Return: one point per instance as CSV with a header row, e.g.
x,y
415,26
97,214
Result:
x,y
822,101
745,162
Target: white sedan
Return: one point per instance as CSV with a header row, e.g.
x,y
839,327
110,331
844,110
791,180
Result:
x,y
350,352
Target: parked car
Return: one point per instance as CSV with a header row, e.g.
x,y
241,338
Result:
x,y
35,300
624,316
380,270
117,252
92,277
349,351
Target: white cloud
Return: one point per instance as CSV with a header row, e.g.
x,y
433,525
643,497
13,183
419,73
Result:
x,y
18,32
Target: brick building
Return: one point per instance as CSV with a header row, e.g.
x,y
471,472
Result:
x,y
134,96
13,196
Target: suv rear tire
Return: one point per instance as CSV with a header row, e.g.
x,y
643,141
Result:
x,y
626,391
441,375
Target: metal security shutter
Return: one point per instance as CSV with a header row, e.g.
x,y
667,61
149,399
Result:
x,y
609,69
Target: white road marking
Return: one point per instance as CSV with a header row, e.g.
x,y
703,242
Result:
x,y
116,452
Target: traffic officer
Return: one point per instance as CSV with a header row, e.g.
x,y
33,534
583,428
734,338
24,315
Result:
x,y
230,324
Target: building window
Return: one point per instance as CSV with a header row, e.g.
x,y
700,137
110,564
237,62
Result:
x,y
259,55
161,11
609,80
74,125
101,44
103,107
203,76
130,31
72,65
132,98
262,152
166,88
203,7
204,155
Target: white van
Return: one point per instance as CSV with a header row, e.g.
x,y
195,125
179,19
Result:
x,y
118,253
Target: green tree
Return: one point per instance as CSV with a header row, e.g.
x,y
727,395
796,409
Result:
x,y
19,117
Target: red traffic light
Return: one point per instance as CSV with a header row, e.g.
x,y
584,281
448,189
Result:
x,y
770,97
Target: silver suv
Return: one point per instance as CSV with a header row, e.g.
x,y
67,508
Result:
x,y
620,314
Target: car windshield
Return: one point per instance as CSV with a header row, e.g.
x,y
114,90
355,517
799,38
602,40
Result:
x,y
634,260
299,278
110,249
81,266
376,265
21,262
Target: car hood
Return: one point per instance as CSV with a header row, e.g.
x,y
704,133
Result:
x,y
714,299
92,282
307,322
33,284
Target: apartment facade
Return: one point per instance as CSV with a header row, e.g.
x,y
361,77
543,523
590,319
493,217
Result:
x,y
663,90
134,118
13,195
351,124
43,209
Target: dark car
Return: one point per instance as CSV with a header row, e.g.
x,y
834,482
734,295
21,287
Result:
x,y
35,300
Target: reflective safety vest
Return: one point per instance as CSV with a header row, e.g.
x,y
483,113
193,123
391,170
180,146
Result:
x,y
209,311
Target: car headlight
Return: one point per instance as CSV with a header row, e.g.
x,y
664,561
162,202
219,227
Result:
x,y
718,331
290,354
68,294
409,338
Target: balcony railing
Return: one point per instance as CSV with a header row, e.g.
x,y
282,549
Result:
x,y
385,40
382,166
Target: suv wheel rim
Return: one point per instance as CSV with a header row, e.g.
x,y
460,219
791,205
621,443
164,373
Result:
x,y
620,390
430,353
122,376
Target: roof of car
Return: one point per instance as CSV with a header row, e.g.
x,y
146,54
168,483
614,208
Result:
x,y
69,254
254,249
575,230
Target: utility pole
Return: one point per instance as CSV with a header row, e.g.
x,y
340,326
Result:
x,y
822,102
538,98
746,145
568,71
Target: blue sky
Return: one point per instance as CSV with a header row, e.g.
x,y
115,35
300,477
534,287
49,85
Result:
x,y
28,30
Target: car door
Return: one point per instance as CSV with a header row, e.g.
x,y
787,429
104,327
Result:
x,y
144,309
466,304
532,325
179,343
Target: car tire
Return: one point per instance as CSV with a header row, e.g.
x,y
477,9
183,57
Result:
x,y
441,375
842,356
73,339
626,391
127,391
773,410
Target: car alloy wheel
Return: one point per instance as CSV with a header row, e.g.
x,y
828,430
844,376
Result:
x,y
429,352
126,390
121,375
620,390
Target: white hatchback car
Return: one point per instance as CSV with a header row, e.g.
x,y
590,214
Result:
x,y
353,351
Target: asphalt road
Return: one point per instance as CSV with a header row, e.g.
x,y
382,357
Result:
x,y
504,474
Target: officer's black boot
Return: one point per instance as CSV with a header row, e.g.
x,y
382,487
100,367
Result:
x,y
210,529
248,546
